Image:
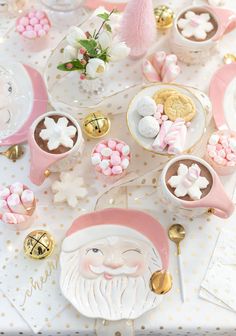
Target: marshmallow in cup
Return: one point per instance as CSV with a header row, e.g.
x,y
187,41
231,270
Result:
x,y
216,201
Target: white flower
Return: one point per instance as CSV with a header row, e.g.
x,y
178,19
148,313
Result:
x,y
118,51
95,67
195,25
74,36
69,189
105,39
70,53
58,133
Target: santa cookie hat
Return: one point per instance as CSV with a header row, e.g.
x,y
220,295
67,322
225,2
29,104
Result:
x,y
123,222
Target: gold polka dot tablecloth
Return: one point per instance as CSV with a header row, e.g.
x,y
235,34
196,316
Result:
x,y
195,316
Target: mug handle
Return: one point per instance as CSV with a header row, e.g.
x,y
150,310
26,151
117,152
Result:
x,y
217,201
227,19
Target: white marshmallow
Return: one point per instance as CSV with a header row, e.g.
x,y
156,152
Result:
x,y
125,150
222,153
149,127
146,106
106,151
232,144
125,163
214,139
104,164
96,159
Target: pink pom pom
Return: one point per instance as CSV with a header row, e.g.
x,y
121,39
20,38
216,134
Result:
x,y
117,170
111,144
34,21
24,21
115,160
20,28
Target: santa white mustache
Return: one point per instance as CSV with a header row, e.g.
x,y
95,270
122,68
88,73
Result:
x,y
123,270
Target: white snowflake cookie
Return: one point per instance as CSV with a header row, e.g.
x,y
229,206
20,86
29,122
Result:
x,y
146,106
58,133
188,182
195,25
149,127
69,189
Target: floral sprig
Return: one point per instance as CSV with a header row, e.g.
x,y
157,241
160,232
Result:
x,y
90,53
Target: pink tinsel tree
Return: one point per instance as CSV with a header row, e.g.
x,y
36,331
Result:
x,y
138,27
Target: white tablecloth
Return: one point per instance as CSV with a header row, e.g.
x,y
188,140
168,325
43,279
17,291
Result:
x,y
195,316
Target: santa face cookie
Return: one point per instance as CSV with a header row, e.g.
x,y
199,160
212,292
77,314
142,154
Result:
x,y
107,261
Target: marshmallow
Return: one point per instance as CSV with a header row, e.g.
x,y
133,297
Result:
x,y
15,205
106,151
27,199
148,127
17,188
117,170
96,159
104,164
111,144
107,172
214,139
222,153
119,147
100,147
146,106
115,160
125,163
125,150
232,144
4,193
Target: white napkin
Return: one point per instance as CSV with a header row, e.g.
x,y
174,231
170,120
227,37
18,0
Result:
x,y
218,285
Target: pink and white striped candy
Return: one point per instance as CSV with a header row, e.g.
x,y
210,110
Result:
x,y
220,149
27,199
33,25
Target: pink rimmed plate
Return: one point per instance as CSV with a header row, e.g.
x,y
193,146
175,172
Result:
x,y
28,101
222,93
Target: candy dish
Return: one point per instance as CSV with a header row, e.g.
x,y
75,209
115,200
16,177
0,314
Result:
x,y
27,99
193,132
223,97
99,253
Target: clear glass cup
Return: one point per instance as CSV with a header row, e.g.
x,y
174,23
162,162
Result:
x,y
62,5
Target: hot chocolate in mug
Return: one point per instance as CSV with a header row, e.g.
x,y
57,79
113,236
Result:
x,y
190,187
197,30
66,145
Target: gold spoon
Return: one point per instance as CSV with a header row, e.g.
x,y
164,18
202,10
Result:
x,y
176,234
13,153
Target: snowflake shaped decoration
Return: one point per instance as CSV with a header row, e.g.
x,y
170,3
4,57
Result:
x,y
188,182
69,189
195,25
58,133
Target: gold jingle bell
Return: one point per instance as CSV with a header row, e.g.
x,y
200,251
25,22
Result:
x,y
96,125
164,17
229,58
38,244
161,282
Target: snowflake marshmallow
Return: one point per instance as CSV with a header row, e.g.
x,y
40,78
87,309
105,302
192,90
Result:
x,y
195,25
188,182
58,133
69,189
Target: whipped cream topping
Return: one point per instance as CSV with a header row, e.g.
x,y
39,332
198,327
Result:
x,y
195,25
58,133
188,182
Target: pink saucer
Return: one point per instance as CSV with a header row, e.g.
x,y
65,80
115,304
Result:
x,y
218,91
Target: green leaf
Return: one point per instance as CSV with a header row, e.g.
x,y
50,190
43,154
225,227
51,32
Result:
x,y
76,66
108,27
89,45
104,16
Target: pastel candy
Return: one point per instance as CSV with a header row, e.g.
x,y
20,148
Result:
x,y
212,153
37,27
106,151
148,127
232,144
29,28
27,198
104,164
24,21
116,170
20,28
100,147
107,172
30,34
3,206
46,27
111,144
146,106
4,193
219,147
125,150
43,21
40,14
115,153
214,139
17,188
231,157
119,147
222,153
115,159
125,163
96,159
34,21
31,15
41,33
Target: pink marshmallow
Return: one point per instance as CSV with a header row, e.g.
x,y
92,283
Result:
x,y
115,160
24,21
228,150
212,153
4,206
219,147
34,21
4,193
119,147
27,198
37,27
10,218
31,14
125,163
96,159
112,144
29,28
104,164
107,172
46,27
20,28
43,22
99,147
41,33
106,151
117,170
40,15
125,150
115,153
15,205
17,188
222,153
29,34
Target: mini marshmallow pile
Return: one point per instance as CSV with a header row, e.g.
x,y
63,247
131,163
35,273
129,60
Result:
x,y
111,157
169,135
16,203
34,24
222,149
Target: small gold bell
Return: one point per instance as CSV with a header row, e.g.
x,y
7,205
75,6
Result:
x,y
164,17
96,125
38,244
161,282
229,58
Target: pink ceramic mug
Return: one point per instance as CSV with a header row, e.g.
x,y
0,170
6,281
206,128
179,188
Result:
x,y
42,163
194,52
216,201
